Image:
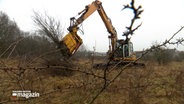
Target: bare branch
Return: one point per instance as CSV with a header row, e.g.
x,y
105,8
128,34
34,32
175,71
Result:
x,y
137,12
49,27
10,46
143,54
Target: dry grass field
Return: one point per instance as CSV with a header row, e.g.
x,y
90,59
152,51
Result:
x,y
154,84
34,64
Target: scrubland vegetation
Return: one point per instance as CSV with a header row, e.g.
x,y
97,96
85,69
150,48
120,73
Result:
x,y
30,61
79,83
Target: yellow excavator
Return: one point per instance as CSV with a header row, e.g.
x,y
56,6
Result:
x,y
121,49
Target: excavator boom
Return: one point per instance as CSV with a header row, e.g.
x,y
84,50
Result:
x,y
119,50
72,41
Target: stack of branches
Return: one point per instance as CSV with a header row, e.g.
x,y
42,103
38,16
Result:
x,y
53,30
49,27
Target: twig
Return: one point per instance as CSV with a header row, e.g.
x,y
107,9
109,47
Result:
x,y
137,12
42,55
11,45
57,67
124,67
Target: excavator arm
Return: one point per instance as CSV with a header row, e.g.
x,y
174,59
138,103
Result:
x,y
119,50
72,41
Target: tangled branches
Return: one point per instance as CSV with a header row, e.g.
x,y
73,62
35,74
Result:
x,y
25,76
108,83
49,27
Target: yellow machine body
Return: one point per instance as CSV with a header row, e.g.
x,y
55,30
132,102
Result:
x,y
72,42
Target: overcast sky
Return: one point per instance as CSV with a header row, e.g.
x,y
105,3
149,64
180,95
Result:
x,y
160,19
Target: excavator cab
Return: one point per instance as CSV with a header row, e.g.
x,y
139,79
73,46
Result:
x,y
128,49
124,51
128,52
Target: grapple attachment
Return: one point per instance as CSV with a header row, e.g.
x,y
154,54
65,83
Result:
x,y
71,43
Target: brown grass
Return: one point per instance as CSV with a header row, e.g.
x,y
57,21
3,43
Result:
x,y
151,85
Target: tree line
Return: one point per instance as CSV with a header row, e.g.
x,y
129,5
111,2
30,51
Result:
x,y
12,38
164,56
14,42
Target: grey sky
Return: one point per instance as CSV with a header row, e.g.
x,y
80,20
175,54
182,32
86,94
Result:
x,y
161,18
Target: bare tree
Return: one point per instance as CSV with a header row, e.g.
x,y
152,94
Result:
x,y
49,26
9,32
